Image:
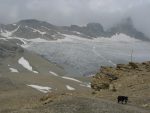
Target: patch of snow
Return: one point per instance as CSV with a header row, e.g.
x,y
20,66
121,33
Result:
x,y
86,85
35,72
78,33
9,33
40,32
42,89
59,33
70,88
37,40
74,38
26,64
13,70
18,44
14,24
28,42
117,38
6,33
24,41
53,73
3,39
65,39
73,79
36,30
45,27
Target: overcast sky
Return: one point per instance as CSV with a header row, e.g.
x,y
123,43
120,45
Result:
x,y
66,12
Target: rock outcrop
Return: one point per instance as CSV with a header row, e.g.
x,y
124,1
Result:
x,y
130,79
108,76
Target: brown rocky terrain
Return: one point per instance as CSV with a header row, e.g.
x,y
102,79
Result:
x,y
17,97
132,80
73,102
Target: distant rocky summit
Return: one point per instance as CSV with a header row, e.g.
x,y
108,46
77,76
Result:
x,y
126,27
31,29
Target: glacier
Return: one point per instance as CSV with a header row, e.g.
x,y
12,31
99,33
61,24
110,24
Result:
x,y
82,56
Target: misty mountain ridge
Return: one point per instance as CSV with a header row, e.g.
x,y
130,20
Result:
x,y
32,28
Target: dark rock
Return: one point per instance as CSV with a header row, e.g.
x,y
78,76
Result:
x,y
133,65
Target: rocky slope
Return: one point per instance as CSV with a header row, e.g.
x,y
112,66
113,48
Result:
x,y
75,104
77,41
23,90
30,29
25,77
130,79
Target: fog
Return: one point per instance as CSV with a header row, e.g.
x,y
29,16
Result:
x,y
80,12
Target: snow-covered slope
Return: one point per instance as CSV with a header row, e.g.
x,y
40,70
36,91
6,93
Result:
x,y
79,50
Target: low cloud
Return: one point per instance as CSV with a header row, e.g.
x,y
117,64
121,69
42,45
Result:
x,y
67,12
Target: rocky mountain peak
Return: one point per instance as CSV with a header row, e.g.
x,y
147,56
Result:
x,y
35,23
127,21
32,28
95,26
126,26
90,30
29,21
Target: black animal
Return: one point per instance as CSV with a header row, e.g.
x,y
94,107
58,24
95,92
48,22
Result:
x,y
122,99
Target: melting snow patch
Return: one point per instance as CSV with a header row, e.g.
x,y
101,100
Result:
x,y
78,33
117,38
53,73
35,72
14,24
38,40
28,42
70,88
86,85
9,33
42,89
73,79
13,70
26,64
6,33
36,30
3,39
